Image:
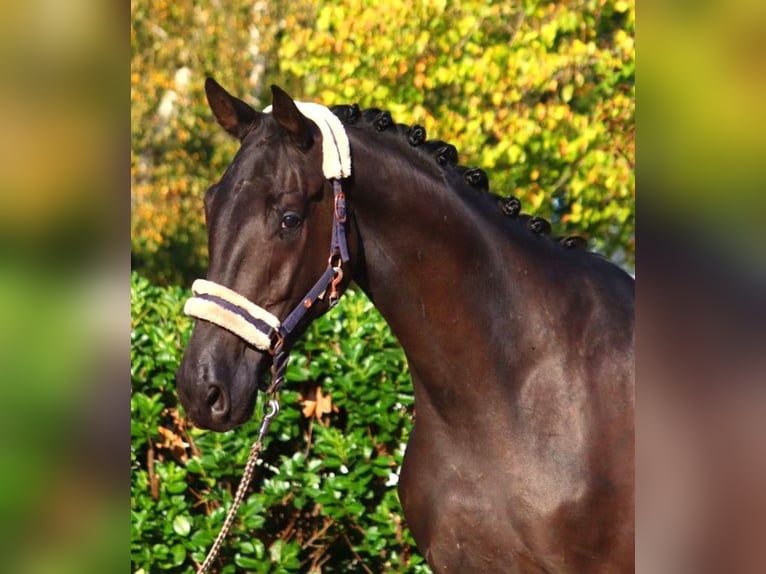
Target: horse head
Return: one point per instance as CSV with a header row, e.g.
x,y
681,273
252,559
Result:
x,y
270,222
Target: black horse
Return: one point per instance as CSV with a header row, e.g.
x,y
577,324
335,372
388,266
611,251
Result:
x,y
520,345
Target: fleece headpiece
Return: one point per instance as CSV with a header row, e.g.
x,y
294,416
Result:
x,y
228,309
336,152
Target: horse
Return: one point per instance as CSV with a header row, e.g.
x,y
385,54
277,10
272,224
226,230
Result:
x,y
520,345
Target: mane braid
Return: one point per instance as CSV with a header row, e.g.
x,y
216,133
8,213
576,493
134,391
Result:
x,y
443,152
347,114
446,156
477,177
416,135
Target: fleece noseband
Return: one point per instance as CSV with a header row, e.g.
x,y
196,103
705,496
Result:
x,y
258,327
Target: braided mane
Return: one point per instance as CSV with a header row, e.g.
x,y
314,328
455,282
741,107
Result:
x,y
446,156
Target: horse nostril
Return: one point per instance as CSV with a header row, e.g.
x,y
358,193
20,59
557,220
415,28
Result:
x,y
217,401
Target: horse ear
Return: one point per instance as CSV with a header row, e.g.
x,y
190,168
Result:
x,y
290,118
234,115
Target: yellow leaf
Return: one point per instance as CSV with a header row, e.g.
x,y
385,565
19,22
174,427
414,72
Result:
x,y
319,406
309,407
323,404
566,92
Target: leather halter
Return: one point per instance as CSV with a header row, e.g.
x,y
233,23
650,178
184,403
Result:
x,y
255,325
228,309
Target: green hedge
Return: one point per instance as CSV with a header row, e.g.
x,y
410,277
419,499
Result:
x,y
324,498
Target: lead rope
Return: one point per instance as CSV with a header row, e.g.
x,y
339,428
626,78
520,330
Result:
x,y
329,282
270,410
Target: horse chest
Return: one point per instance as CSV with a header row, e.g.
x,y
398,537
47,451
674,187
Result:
x,y
469,515
454,529
460,515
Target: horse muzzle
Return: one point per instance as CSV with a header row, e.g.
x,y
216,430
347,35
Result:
x,y
219,377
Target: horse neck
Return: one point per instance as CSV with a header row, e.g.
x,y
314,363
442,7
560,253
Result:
x,y
430,267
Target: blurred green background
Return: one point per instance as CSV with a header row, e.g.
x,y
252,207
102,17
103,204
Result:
x,y
64,307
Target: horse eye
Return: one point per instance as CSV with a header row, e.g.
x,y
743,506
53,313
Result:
x,y
290,221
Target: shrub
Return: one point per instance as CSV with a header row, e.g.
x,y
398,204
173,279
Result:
x,y
323,498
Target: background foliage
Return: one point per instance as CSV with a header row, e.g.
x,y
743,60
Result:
x,y
540,94
324,498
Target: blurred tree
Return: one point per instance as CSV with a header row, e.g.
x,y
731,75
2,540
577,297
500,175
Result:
x,y
176,150
540,94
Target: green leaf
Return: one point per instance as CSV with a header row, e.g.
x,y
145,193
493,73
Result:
x,y
248,562
181,525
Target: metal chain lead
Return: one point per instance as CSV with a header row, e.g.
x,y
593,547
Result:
x,y
270,410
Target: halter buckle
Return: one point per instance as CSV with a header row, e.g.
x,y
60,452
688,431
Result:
x,y
339,207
